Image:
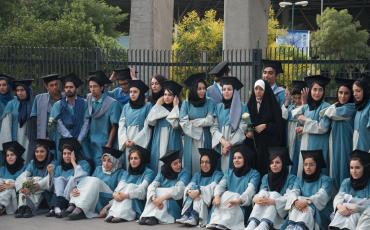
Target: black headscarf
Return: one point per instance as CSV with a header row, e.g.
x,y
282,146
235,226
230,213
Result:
x,y
276,181
18,164
312,104
68,166
139,103
213,161
25,106
141,168
350,99
167,171
43,164
315,176
246,153
155,96
361,183
364,84
194,99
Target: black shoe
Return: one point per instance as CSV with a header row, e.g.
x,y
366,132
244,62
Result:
x,y
142,220
19,212
77,214
69,210
2,210
59,215
51,213
151,221
27,212
118,220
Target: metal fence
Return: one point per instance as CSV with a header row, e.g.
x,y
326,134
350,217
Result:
x,y
245,64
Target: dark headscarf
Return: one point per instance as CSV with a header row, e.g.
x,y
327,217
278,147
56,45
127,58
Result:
x,y
166,169
25,107
141,168
18,164
139,103
194,99
350,91
68,166
312,104
276,181
8,96
43,164
213,159
361,183
155,96
319,165
364,84
246,153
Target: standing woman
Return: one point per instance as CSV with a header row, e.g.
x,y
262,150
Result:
x,y
165,191
269,204
92,193
353,196
164,118
16,117
233,195
341,115
361,135
5,92
196,118
228,127
266,119
35,182
308,201
132,119
130,193
315,128
156,90
198,194
14,166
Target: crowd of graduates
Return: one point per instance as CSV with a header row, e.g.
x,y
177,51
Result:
x,y
286,159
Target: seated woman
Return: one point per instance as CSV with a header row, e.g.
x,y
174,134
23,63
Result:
x,y
308,201
130,193
354,193
71,167
93,193
14,166
235,192
198,194
168,187
34,183
269,204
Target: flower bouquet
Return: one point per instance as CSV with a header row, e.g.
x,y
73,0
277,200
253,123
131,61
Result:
x,y
30,184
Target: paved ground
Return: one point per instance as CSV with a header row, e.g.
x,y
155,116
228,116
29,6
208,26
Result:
x,y
40,222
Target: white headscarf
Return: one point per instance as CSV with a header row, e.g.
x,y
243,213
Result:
x,y
115,163
259,83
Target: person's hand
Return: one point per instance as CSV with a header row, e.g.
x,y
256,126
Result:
x,y
343,210
108,145
226,146
119,196
73,157
287,97
113,76
25,191
304,95
75,192
50,168
234,202
176,101
193,194
216,201
2,187
249,134
259,200
260,128
133,73
158,202
103,213
301,205
299,130
302,119
160,101
130,143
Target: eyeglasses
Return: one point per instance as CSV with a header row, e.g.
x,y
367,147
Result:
x,y
205,162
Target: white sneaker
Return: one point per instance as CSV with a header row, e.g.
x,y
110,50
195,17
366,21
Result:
x,y
211,226
191,221
182,220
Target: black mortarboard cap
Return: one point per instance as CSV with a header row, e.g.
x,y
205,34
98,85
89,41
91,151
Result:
x,y
23,82
71,141
276,65
344,81
173,86
212,154
234,81
220,69
140,85
99,77
316,154
192,79
6,77
72,77
281,152
145,153
297,86
18,148
50,77
319,79
46,142
170,156
123,74
364,156
114,152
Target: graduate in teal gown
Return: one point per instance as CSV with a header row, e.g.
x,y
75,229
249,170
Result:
x,y
353,197
165,192
156,89
269,203
91,195
215,90
228,127
133,116
233,195
103,114
196,118
308,201
198,193
315,129
14,166
130,193
293,101
361,134
341,115
35,183
122,92
163,120
71,167
67,114
16,124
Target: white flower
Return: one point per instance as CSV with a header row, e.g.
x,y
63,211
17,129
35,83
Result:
x,y
245,116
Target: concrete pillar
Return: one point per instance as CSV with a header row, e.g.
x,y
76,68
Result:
x,y
151,25
246,29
